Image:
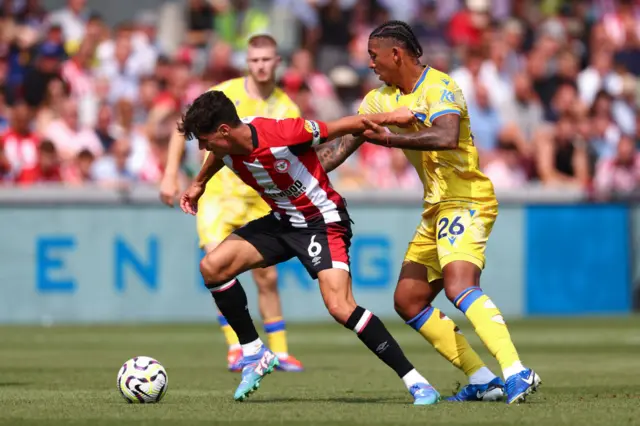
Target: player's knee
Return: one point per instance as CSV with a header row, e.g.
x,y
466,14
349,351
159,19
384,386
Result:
x,y
339,308
407,307
266,279
454,289
214,271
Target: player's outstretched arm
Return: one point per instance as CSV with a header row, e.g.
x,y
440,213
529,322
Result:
x,y
169,184
211,166
441,136
332,154
355,124
189,200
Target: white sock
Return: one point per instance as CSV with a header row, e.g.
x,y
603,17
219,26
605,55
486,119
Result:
x,y
282,355
413,377
253,348
482,376
234,346
515,368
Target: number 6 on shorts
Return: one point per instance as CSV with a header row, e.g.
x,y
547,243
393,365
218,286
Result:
x,y
314,248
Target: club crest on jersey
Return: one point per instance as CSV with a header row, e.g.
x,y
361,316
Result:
x,y
282,165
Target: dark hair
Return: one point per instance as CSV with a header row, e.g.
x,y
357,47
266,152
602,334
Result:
x,y
207,113
47,147
85,154
402,33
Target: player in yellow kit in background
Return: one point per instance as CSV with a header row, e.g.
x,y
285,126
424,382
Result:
x,y
460,208
228,203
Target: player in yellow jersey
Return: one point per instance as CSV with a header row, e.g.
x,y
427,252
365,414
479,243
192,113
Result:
x,y
229,204
460,208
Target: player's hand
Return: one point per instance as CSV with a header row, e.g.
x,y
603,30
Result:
x,y
402,117
189,200
168,190
375,133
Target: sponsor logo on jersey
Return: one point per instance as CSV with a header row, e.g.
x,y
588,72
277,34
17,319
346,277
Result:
x,y
294,191
282,165
313,128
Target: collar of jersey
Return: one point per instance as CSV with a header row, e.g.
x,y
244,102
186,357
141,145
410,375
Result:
x,y
420,80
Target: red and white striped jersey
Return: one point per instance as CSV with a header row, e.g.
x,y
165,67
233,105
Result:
x,y
285,170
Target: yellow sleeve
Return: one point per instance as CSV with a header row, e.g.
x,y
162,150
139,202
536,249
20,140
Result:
x,y
443,97
371,103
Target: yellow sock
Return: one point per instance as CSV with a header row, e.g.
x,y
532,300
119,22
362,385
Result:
x,y
490,327
229,335
446,338
275,329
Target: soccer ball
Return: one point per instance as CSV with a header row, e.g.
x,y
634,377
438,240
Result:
x,y
142,380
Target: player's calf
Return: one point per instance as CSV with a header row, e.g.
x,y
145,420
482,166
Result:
x,y
335,285
461,286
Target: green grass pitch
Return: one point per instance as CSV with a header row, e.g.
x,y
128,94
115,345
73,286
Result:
x,y
67,376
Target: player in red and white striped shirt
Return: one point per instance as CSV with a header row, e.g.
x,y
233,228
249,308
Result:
x,y
309,220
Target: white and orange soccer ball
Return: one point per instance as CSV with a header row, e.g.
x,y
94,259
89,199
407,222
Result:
x,y
142,380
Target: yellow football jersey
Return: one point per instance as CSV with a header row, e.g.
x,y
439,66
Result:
x,y
452,175
278,105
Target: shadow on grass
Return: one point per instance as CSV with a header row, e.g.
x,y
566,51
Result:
x,y
315,400
13,384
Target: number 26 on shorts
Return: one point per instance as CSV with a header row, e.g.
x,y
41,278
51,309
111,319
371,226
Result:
x,y
446,227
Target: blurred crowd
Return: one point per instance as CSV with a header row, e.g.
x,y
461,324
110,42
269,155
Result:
x,y
551,85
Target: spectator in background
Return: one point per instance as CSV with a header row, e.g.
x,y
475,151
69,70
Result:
x,y
219,67
468,74
112,170
466,26
73,21
104,125
562,155
545,83
77,72
429,30
45,69
19,143
505,169
619,20
564,101
22,51
485,121
148,92
335,35
79,172
47,168
524,110
50,108
200,17
382,168
32,14
599,75
146,45
629,55
235,22
4,110
623,109
121,70
513,33
621,173
5,168
605,132
323,97
68,136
